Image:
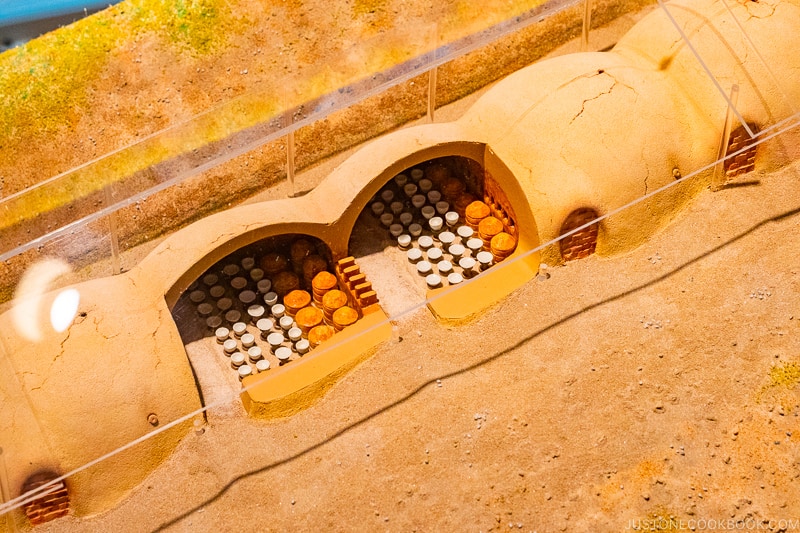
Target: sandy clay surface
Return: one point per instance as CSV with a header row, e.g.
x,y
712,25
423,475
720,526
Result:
x,y
618,392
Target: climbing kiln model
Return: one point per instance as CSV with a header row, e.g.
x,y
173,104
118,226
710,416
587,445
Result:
x,y
553,145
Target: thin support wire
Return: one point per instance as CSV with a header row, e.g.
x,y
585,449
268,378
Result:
x,y
706,68
718,181
587,25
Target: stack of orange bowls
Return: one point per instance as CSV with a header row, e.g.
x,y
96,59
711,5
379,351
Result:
x,y
285,282
313,265
308,318
343,317
295,301
452,188
334,299
319,334
487,229
462,202
272,263
502,245
475,212
321,284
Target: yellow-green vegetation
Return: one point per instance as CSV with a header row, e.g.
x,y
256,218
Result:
x,y
43,82
784,376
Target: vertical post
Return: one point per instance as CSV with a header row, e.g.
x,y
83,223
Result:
x,y
432,93
5,492
718,181
290,162
587,24
116,264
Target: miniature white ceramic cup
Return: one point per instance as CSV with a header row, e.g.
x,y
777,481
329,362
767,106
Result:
x,y
406,218
213,322
455,278
262,365
254,354
278,310
410,189
415,230
229,346
434,254
283,354
248,263
247,297
416,174
457,251
233,316
223,304
433,280
387,219
210,279
418,200
239,329
265,326
465,232
216,291
434,196
467,265
414,255
271,298
237,359
387,195
485,259
401,180
475,244
447,238
239,283
295,334
286,322
302,346
231,270
425,185
436,223
256,274
404,241
197,296
451,217
255,312
425,242
222,334
442,207
248,340
264,286
397,207
444,267
275,340
428,211
244,371
424,268
204,309
378,208
395,230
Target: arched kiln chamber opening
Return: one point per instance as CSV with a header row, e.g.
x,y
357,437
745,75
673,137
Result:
x,y
267,305
433,225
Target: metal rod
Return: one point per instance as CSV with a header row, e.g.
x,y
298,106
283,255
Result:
x,y
706,68
587,25
718,181
290,162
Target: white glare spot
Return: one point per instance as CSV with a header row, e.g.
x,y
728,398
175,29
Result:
x,y
64,309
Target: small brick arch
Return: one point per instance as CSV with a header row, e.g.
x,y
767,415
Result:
x,y
746,161
582,243
50,506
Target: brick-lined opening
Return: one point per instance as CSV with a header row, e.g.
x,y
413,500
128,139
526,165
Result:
x,y
746,161
50,506
582,243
